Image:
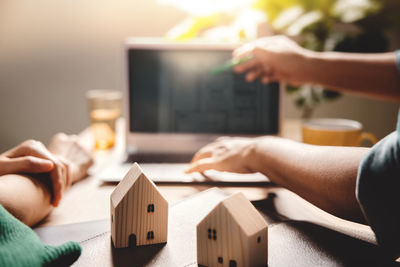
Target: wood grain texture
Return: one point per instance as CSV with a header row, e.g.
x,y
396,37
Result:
x,y
232,234
131,213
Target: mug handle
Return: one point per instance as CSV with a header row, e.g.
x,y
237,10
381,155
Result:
x,y
369,137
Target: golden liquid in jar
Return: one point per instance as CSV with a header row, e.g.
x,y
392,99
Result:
x,y
103,127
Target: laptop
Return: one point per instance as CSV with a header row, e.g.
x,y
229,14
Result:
x,y
174,105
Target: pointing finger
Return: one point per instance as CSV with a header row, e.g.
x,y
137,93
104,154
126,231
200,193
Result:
x,y
248,65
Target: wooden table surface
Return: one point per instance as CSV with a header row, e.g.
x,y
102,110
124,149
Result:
x,y
89,199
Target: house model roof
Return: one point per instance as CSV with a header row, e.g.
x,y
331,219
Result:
x,y
243,212
134,174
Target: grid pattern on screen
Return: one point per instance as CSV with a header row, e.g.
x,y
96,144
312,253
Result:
x,y
173,91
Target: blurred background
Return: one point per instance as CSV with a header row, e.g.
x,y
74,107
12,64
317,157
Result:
x,y
52,52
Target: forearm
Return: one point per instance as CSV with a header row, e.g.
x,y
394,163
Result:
x,y
27,198
367,74
325,176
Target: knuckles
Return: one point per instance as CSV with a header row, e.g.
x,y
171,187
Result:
x,y
32,144
29,162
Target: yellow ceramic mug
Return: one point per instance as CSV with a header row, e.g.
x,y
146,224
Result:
x,y
335,132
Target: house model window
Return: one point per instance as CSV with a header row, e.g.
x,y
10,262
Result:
x,y
212,234
150,235
150,208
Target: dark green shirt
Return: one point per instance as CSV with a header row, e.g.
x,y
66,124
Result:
x,y
378,185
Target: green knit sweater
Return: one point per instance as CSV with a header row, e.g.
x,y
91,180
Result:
x,y
20,246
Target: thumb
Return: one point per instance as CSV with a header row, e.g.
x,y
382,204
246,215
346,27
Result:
x,y
28,164
63,255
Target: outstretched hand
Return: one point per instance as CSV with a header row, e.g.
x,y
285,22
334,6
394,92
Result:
x,y
229,154
275,58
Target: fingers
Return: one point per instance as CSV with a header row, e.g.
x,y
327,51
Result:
x,y
60,180
201,154
245,51
67,169
257,68
26,164
265,79
30,148
206,154
249,65
33,157
211,148
202,165
253,75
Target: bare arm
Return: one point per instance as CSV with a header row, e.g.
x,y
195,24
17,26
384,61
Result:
x,y
27,189
374,75
325,176
27,197
278,58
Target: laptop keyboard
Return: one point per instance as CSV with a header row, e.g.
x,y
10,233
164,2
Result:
x,y
175,173
159,158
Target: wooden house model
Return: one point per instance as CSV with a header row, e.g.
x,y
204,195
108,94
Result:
x,y
139,212
232,234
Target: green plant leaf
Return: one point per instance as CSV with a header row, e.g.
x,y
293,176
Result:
x,y
292,89
330,95
300,102
364,42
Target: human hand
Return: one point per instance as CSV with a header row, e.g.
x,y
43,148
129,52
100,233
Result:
x,y
70,150
275,58
33,157
229,154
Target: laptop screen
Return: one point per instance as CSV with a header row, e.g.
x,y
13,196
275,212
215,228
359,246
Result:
x,y
173,91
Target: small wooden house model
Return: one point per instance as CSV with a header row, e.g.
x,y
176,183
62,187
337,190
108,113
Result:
x,y
233,234
139,212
